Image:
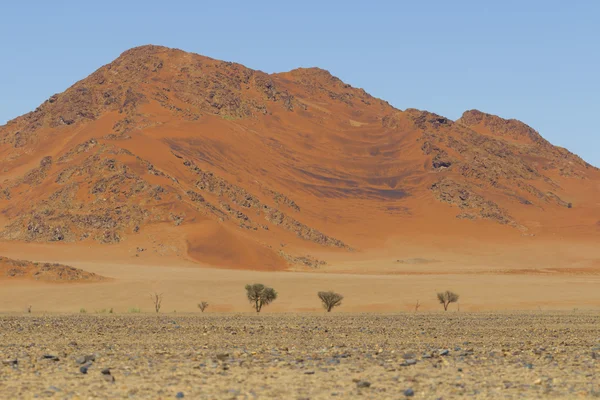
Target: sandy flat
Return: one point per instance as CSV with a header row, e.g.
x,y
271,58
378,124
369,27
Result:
x,y
369,282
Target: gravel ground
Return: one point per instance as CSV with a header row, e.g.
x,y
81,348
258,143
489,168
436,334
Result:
x,y
301,356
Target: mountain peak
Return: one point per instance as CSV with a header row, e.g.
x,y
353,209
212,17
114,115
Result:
x,y
497,126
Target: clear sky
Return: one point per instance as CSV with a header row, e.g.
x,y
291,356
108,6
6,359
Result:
x,y
537,61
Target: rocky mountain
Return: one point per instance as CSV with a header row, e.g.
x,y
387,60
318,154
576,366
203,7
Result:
x,y
230,166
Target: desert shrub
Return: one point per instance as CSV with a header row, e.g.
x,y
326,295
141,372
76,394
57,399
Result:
x,y
260,295
82,311
157,299
203,306
447,297
134,310
330,300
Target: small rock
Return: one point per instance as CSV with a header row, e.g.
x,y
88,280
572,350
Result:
x,y
107,375
444,352
85,359
179,395
222,356
84,369
363,384
10,363
309,372
50,357
409,392
408,363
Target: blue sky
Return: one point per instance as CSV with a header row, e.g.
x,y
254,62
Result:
x,y
537,61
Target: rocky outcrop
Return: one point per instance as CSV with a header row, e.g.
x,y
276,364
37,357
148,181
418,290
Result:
x,y
510,128
120,200
209,182
474,205
305,261
492,163
10,268
427,120
440,158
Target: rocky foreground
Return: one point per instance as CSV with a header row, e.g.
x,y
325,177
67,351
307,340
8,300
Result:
x,y
211,356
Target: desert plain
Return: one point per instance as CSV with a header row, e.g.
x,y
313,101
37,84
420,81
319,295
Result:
x,y
302,356
522,333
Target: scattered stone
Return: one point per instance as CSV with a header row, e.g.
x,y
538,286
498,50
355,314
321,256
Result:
x,y
107,376
85,359
50,357
179,395
409,392
409,362
444,352
10,363
294,348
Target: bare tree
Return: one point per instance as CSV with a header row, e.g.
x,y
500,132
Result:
x,y
29,309
203,306
330,300
157,300
417,305
447,297
260,295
